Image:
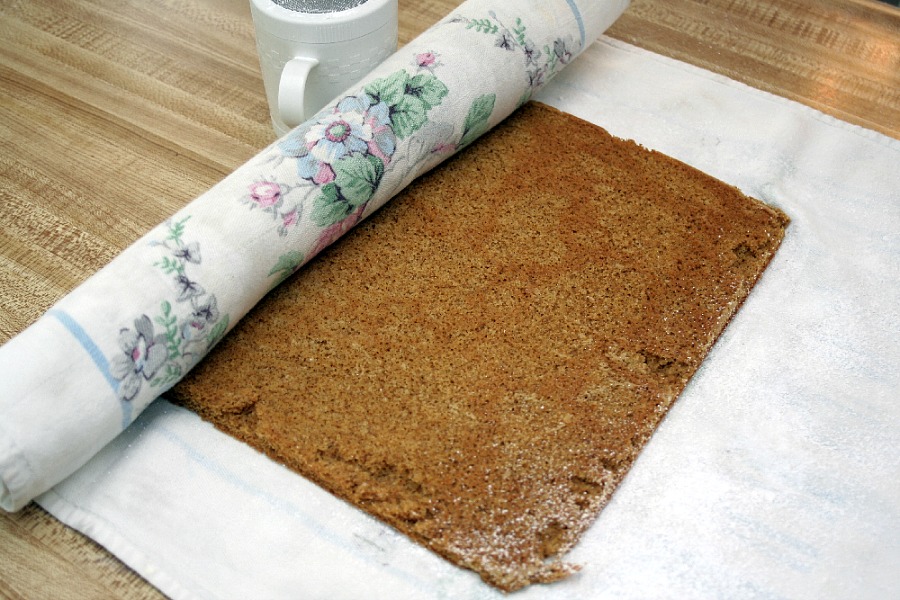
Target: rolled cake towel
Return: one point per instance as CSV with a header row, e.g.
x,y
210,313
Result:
x,y
80,374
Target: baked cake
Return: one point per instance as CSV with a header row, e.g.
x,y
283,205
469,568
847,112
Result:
x,y
480,363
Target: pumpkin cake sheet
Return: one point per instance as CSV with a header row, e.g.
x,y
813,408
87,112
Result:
x,y
480,362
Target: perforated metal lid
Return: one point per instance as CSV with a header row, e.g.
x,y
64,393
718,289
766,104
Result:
x,y
318,6
322,21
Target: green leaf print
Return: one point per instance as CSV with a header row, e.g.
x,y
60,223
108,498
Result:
x,y
217,332
169,322
519,32
408,98
287,262
357,177
172,374
428,88
329,207
552,59
482,25
170,265
408,116
390,89
176,230
286,265
476,122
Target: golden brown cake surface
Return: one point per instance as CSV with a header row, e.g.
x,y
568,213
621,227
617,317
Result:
x,y
480,363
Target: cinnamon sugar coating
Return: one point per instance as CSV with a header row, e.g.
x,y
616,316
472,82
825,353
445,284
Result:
x,y
480,362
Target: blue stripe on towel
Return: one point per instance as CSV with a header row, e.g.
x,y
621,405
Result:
x,y
286,506
96,355
578,18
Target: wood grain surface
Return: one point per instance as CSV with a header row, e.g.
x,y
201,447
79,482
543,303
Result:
x,y
115,113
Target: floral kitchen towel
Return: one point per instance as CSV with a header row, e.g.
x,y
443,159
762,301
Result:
x,y
79,375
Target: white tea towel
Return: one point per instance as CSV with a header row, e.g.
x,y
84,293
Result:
x,y
775,475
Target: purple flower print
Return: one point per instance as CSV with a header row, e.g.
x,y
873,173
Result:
x,y
189,253
188,329
536,78
540,66
562,51
266,194
532,54
505,41
187,289
200,319
143,353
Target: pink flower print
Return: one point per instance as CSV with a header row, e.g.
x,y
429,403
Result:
x,y
265,193
331,233
324,175
426,59
289,219
444,148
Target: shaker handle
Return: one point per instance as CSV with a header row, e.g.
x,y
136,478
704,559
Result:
x,y
292,89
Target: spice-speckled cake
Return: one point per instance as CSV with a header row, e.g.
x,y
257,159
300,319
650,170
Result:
x,y
480,363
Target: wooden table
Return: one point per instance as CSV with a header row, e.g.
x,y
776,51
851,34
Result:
x,y
114,113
